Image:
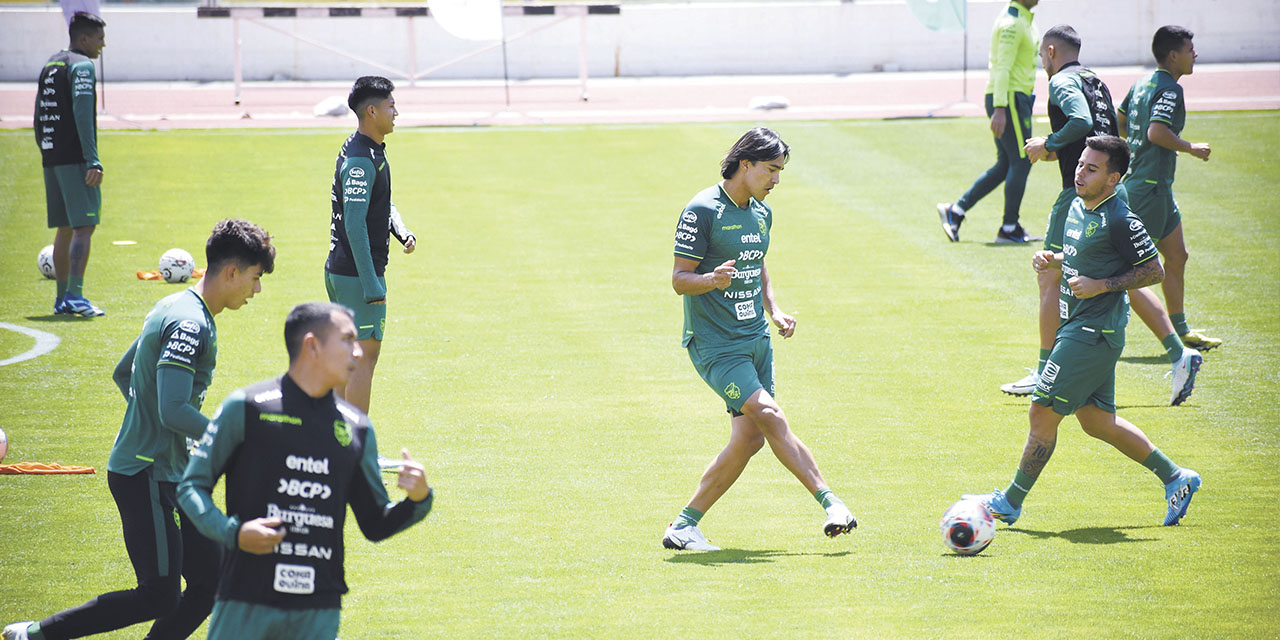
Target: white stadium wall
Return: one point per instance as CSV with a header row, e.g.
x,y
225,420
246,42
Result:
x,y
643,39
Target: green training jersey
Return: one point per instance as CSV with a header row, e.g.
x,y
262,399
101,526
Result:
x,y
1015,47
1099,243
1155,98
178,332
713,229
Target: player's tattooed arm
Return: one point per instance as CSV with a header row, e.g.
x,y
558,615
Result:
x,y
1143,275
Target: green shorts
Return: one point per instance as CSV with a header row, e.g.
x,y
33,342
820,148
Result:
x,y
69,201
735,371
1078,373
371,319
1156,207
236,620
1058,216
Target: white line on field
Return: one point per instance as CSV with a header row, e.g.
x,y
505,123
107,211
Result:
x,y
45,342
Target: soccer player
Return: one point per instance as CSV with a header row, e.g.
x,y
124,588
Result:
x,y
360,229
1153,114
66,125
1008,102
721,241
1080,105
294,455
1106,252
163,377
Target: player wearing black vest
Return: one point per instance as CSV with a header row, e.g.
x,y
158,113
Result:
x,y
294,456
66,129
1080,106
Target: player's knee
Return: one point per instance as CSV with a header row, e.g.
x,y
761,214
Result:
x,y
159,598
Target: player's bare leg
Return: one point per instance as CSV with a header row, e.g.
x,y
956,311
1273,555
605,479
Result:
x,y
1147,306
1173,254
1115,431
1048,280
744,441
62,254
360,386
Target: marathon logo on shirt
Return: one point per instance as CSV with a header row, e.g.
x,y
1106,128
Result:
x,y
294,578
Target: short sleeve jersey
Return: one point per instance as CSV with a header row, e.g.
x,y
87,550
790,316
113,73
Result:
x,y
1155,98
1014,52
67,81
1099,244
713,229
178,332
361,187
1080,106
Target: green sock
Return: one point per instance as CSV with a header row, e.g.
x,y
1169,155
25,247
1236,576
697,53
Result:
x,y
1179,323
688,517
1172,347
75,285
826,498
1161,465
62,288
1044,357
1019,488
34,633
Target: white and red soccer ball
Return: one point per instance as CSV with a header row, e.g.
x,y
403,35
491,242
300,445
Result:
x,y
968,527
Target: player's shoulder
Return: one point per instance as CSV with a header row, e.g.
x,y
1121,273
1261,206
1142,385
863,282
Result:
x,y
352,415
183,311
1117,213
259,394
709,201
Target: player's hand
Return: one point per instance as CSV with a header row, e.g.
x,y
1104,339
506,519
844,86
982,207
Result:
x,y
722,277
999,119
93,177
786,324
1035,150
1043,260
410,243
412,478
261,535
1200,150
1085,288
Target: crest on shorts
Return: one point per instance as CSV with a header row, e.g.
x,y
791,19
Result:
x,y
342,432
732,391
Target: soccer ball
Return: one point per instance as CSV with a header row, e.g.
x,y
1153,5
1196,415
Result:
x,y
45,262
4,444
176,265
968,527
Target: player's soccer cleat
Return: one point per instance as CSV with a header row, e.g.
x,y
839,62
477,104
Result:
x,y
687,538
998,504
1178,494
16,631
1184,375
839,520
1017,236
1200,341
81,307
60,307
1023,387
951,216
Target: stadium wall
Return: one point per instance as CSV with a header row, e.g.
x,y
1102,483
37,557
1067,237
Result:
x,y
159,43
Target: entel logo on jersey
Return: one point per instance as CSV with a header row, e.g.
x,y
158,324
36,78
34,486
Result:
x,y
1074,234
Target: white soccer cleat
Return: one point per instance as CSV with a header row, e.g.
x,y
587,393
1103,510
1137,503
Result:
x,y
688,539
1023,387
839,520
1184,375
16,631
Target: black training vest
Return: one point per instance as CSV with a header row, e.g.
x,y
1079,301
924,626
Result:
x,y
1101,107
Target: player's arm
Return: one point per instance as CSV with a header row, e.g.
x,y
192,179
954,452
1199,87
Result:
x,y
1131,240
1007,39
1071,100
184,341
124,370
1160,133
785,323
84,97
378,518
355,209
209,458
1045,260
686,280
401,232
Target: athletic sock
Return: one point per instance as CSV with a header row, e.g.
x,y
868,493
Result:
x,y
826,498
1162,466
75,286
1172,347
1179,323
62,288
1019,488
33,632
1044,357
688,517
1008,228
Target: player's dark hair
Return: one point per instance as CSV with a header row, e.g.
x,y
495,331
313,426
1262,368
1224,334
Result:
x,y
309,317
241,242
1117,151
84,23
1167,39
368,89
757,145
1063,36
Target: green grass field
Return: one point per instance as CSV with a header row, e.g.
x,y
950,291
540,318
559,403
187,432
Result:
x,y
532,363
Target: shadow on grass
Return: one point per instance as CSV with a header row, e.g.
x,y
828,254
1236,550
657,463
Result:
x,y
1162,360
66,317
742,556
1089,535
